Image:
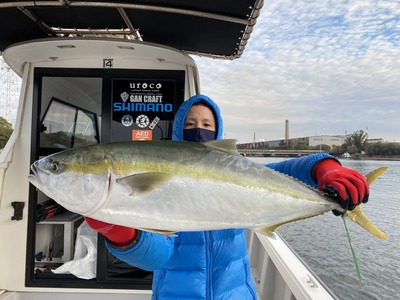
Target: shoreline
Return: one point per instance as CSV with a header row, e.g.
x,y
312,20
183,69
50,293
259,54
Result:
x,y
388,158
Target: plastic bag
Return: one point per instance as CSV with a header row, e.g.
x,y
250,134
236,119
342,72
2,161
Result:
x,y
85,256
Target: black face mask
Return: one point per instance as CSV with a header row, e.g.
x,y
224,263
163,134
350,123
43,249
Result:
x,y
198,135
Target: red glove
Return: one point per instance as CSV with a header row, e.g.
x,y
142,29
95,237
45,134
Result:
x,y
118,235
350,186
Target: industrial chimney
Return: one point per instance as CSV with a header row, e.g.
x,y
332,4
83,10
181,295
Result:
x,y
286,130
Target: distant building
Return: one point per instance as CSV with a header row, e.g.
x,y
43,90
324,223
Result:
x,y
274,143
330,140
374,141
311,141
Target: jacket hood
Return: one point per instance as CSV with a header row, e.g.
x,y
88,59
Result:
x,y
179,121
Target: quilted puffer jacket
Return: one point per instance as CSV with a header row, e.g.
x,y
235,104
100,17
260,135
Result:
x,y
203,265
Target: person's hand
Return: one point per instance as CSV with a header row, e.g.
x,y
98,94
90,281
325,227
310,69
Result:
x,y
118,235
350,186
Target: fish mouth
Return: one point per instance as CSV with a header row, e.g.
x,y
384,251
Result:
x,y
36,178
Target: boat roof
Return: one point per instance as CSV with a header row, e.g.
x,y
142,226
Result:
x,y
219,29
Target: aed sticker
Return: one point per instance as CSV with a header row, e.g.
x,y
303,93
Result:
x,y
142,135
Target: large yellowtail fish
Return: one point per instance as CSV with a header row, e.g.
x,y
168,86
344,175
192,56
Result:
x,y
170,186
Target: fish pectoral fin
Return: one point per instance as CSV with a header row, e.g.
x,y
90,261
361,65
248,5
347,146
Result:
x,y
143,182
160,231
227,146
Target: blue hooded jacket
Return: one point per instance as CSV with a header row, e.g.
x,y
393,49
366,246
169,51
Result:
x,y
203,265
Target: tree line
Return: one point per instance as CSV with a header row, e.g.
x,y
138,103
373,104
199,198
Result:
x,y
5,131
357,145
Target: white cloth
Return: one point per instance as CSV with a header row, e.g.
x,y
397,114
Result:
x,y
85,256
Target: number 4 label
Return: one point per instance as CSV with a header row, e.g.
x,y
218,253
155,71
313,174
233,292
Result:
x,y
107,63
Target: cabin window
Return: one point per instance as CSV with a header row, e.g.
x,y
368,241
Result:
x,y
66,126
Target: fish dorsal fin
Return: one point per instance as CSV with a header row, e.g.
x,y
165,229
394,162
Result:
x,y
143,182
227,146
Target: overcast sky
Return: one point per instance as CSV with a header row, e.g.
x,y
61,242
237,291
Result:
x,y
329,67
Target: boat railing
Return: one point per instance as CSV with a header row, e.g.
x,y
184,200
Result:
x,y
279,273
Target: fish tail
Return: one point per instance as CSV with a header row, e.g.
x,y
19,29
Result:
x,y
359,217
373,175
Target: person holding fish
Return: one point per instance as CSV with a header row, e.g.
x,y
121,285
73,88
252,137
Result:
x,y
214,264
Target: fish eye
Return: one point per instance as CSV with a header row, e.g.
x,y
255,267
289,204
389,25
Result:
x,y
55,167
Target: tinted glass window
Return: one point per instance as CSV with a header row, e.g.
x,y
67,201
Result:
x,y
65,126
